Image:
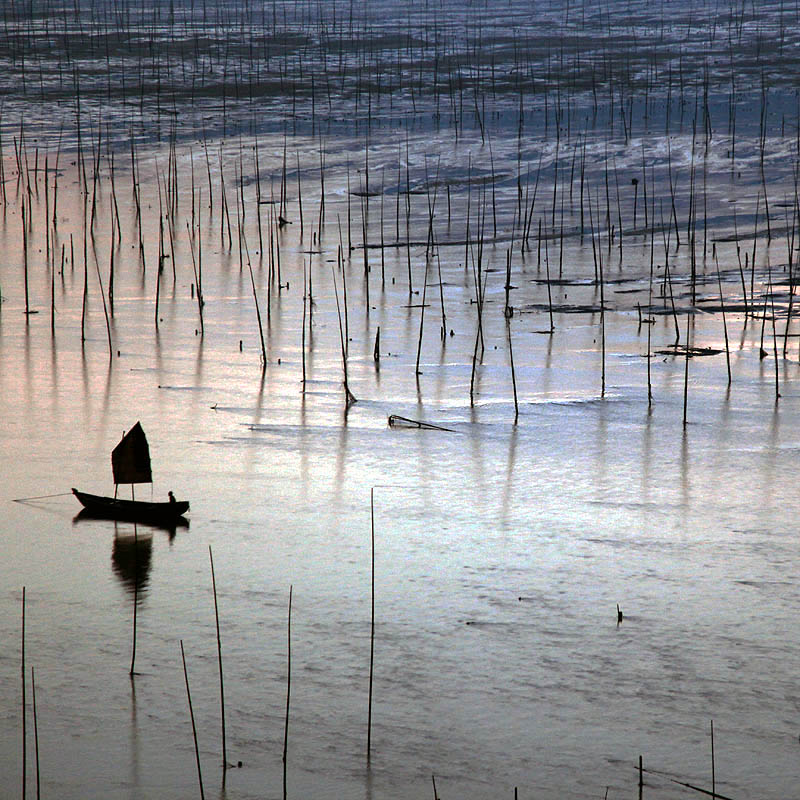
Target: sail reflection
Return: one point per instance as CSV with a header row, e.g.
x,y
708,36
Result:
x,y
130,559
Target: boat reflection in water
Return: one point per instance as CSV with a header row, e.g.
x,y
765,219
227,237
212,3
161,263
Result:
x,y
130,559
171,527
131,551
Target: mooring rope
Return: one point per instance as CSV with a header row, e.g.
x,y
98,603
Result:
x,y
40,497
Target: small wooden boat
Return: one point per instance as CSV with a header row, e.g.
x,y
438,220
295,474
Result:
x,y
130,463
132,510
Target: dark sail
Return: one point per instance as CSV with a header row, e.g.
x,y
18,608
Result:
x,y
130,459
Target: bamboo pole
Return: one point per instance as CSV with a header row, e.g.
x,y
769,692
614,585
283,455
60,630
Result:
x,y
686,372
258,317
24,709
713,765
36,735
724,322
303,332
194,726
372,622
288,689
350,398
219,660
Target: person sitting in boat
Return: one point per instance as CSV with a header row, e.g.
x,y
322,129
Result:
x,y
171,497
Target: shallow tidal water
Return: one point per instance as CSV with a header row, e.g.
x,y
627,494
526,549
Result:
x,y
502,547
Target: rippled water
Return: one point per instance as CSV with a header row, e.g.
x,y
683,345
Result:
x,y
501,549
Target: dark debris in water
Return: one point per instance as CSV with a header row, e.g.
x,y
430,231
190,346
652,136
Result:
x,y
563,308
681,349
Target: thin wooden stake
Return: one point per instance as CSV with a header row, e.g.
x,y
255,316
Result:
x,y
686,372
219,658
194,727
372,624
602,322
24,714
349,396
288,688
641,777
713,769
258,317
36,734
303,334
513,373
724,322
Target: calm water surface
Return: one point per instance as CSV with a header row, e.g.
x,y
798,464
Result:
x,y
501,549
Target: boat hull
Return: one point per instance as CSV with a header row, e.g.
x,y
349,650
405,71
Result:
x,y
131,510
